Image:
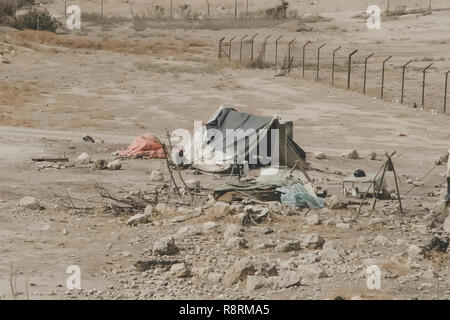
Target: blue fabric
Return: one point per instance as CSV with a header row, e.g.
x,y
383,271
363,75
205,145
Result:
x,y
297,195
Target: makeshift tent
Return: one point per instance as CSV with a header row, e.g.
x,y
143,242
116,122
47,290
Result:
x,y
259,140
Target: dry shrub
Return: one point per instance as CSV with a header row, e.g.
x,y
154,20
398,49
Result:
x,y
97,19
162,46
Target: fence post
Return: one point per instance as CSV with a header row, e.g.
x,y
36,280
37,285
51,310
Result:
x,y
229,49
276,51
382,77
332,68
318,61
102,8
220,47
240,49
423,85
264,48
303,58
446,89
289,54
253,40
365,70
349,72
65,8
403,79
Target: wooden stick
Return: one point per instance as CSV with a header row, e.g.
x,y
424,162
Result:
x,y
396,185
170,170
381,185
368,189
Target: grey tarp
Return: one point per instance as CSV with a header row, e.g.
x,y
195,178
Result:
x,y
227,121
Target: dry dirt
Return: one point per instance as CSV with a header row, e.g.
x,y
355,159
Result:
x,y
114,83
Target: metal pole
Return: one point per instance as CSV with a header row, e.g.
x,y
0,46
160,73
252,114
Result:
x,y
382,77
365,70
289,54
65,8
423,85
318,61
102,8
446,89
276,51
220,47
253,39
264,48
349,72
303,64
403,79
240,49
332,68
229,49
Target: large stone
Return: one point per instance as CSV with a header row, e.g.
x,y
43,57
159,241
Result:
x,y
186,232
221,208
83,158
335,203
332,252
236,243
149,210
30,203
382,241
114,165
208,226
232,231
313,219
179,270
446,225
311,272
288,279
413,252
137,219
156,176
312,241
255,282
165,247
291,245
238,272
320,155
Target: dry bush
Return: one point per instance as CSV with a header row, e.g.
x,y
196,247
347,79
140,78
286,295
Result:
x,y
314,18
139,23
160,46
278,12
97,19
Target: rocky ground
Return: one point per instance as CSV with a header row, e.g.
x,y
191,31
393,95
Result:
x,y
117,80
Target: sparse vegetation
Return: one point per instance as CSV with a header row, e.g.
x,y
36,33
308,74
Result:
x,y
98,20
36,20
278,12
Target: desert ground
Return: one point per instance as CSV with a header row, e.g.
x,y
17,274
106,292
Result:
x,y
121,76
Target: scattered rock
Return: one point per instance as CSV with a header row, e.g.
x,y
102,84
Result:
x,y
289,279
446,225
288,246
193,184
186,232
100,164
373,155
351,155
149,210
313,219
88,139
238,272
156,176
221,208
115,165
311,272
382,241
332,252
335,203
83,158
320,155
341,225
232,231
137,219
179,270
256,282
312,241
165,247
236,243
30,203
208,226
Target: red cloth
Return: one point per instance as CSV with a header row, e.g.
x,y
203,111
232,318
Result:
x,y
146,146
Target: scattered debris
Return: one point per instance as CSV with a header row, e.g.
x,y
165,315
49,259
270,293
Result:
x,y
88,139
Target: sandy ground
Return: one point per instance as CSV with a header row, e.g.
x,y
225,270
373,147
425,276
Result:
x,y
115,83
